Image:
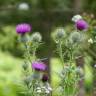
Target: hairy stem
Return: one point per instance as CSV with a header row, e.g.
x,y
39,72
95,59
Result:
x,y
61,52
71,56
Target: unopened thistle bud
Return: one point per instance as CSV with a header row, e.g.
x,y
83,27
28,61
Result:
x,y
36,37
60,33
45,78
25,66
75,37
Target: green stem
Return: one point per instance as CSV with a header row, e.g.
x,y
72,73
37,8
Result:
x,y
64,91
35,46
61,52
27,53
71,56
34,53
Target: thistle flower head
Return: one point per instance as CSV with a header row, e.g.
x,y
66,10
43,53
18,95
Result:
x,y
23,28
81,25
76,18
39,66
36,37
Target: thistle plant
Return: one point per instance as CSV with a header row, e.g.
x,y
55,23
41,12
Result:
x,y
67,44
35,81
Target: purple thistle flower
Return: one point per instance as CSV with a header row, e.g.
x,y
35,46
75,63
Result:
x,y
39,66
23,28
81,25
45,78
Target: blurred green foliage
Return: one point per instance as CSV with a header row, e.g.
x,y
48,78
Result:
x,y
9,74
90,6
9,41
